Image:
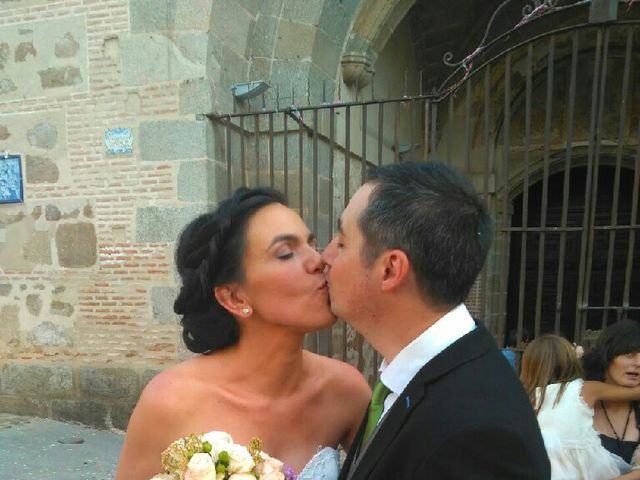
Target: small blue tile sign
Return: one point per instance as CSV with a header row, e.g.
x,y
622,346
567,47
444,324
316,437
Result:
x,y
10,179
119,141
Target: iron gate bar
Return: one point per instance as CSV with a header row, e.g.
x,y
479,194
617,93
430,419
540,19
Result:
x,y
415,118
616,182
505,204
364,148
332,134
615,227
488,158
346,191
588,183
312,340
467,130
243,166
488,168
347,161
256,146
434,123
596,170
425,138
545,181
326,106
412,122
227,129
450,130
324,336
396,143
300,170
314,192
380,129
285,153
567,185
525,188
633,220
541,229
611,307
271,154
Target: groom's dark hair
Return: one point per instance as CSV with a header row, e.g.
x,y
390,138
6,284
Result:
x,y
433,214
210,253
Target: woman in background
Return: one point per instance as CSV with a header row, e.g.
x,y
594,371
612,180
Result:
x,y
563,402
615,360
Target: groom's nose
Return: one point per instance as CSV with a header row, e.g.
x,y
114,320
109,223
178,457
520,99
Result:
x,y
329,252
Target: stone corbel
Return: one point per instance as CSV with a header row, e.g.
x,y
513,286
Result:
x,y
357,69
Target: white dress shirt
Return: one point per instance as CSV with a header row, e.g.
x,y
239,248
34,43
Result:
x,y
397,374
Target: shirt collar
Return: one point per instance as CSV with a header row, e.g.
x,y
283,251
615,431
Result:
x,y
397,374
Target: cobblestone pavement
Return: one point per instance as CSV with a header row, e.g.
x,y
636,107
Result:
x,y
35,448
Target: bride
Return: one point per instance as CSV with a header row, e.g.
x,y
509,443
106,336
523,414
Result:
x,y
252,287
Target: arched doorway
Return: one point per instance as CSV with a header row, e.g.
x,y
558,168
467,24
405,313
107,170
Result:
x,y
552,288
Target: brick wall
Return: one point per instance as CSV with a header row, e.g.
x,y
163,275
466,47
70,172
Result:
x,y
79,336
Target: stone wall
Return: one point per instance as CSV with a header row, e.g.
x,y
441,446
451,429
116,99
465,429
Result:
x,y
82,259
97,396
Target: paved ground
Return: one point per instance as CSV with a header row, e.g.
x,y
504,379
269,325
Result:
x,y
34,448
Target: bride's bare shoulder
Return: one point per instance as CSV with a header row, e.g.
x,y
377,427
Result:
x,y
176,386
343,378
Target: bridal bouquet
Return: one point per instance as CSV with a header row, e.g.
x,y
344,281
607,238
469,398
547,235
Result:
x,y
214,456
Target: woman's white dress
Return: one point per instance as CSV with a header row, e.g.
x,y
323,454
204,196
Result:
x,y
573,445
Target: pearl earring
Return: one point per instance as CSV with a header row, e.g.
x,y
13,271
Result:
x,y
246,311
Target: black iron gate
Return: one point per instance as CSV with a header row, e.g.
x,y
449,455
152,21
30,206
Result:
x,y
547,126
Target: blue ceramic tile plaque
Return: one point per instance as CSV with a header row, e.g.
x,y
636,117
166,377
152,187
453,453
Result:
x,y
10,179
118,141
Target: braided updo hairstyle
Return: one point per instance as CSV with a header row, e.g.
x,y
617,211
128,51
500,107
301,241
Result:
x,y
210,253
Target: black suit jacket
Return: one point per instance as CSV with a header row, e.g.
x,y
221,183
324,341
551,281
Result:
x,y
464,415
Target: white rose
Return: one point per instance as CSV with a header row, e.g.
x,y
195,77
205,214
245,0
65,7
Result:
x,y
268,465
163,476
201,467
243,476
220,476
240,460
272,476
219,441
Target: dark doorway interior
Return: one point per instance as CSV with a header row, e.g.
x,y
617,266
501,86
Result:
x,y
597,283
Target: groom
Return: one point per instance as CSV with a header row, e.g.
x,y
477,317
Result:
x,y
410,245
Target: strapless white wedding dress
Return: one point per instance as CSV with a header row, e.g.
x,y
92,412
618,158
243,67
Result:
x,y
325,465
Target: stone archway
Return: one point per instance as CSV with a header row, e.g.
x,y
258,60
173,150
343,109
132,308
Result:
x,y
371,30
297,45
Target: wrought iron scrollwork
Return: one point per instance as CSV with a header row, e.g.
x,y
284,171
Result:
x,y
533,10
538,6
448,56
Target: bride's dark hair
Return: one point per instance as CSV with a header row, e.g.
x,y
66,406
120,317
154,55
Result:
x,y
209,253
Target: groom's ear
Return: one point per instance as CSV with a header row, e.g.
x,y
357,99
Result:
x,y
395,269
231,298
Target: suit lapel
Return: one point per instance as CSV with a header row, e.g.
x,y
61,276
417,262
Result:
x,y
461,351
387,430
354,452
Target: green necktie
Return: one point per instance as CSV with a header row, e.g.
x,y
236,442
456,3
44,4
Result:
x,y
380,392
